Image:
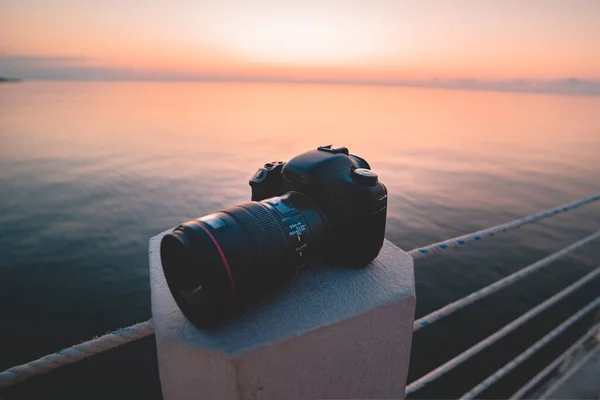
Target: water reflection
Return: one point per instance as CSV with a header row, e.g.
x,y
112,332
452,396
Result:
x,y
89,171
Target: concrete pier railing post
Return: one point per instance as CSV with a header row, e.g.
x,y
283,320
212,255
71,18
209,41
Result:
x,y
334,333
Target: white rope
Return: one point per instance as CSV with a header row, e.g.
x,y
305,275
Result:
x,y
473,393
464,356
78,352
543,373
481,293
422,252
570,372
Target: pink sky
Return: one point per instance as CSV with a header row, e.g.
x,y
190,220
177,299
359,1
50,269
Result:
x,y
349,39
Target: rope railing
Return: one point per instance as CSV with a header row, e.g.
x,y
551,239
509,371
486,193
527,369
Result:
x,y
473,393
486,291
570,372
78,352
566,354
122,336
426,251
464,356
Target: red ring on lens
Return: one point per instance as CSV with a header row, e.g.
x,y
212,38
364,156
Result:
x,y
224,259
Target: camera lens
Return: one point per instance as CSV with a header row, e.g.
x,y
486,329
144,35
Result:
x,y
219,263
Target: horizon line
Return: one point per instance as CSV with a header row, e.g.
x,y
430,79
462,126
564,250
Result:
x,y
566,86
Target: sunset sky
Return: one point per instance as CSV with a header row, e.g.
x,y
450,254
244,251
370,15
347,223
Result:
x,y
350,40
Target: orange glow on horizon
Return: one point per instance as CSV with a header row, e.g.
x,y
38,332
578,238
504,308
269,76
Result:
x,y
349,40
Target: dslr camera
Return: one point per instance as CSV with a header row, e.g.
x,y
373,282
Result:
x,y
323,205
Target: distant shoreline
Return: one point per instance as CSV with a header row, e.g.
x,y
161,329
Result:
x,y
565,87
10,80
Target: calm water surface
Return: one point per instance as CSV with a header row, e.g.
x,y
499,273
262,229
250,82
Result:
x,y
90,171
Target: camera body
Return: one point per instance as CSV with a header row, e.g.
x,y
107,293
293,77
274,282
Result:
x,y
323,205
347,193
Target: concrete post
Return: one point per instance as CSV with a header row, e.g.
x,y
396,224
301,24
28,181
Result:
x,y
335,333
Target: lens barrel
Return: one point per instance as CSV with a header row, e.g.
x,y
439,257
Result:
x,y
221,262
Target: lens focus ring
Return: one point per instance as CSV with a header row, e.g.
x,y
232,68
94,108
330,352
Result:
x,y
262,227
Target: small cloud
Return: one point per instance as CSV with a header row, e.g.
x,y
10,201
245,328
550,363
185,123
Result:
x,y
31,61
32,66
